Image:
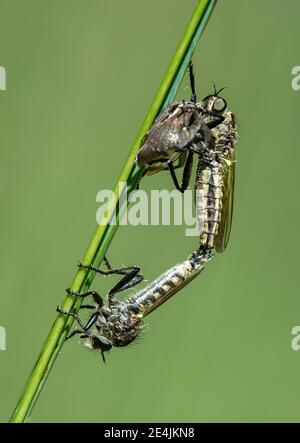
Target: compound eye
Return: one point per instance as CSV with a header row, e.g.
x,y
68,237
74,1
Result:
x,y
105,344
101,343
219,104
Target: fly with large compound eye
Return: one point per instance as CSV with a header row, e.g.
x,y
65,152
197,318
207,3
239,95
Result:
x,y
182,129
212,134
111,323
117,323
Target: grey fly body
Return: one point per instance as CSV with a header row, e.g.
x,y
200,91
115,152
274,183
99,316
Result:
x,y
117,323
208,129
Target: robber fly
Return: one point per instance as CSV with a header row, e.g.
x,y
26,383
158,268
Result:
x,y
180,130
116,323
208,129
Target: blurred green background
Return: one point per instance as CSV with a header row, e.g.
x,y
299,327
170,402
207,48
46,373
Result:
x,y
80,78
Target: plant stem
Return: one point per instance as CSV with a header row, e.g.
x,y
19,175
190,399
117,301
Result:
x,y
105,231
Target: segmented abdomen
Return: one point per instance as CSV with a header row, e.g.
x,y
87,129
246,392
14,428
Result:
x,y
168,284
208,196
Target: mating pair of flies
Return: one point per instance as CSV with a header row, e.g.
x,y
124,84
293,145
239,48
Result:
x,y
183,129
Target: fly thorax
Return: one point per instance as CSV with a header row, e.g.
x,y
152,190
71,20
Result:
x,y
123,325
225,134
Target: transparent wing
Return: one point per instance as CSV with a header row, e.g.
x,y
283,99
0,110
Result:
x,y
163,166
228,163
172,131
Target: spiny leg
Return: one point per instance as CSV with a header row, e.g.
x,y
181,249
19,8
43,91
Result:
x,y
96,297
128,281
131,277
84,328
129,270
110,270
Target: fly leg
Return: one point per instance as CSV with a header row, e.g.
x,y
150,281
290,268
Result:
x,y
192,82
218,119
110,270
129,280
205,139
186,171
131,277
96,297
84,327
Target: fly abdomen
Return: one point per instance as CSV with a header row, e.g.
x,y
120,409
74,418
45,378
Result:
x,y
208,195
168,284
